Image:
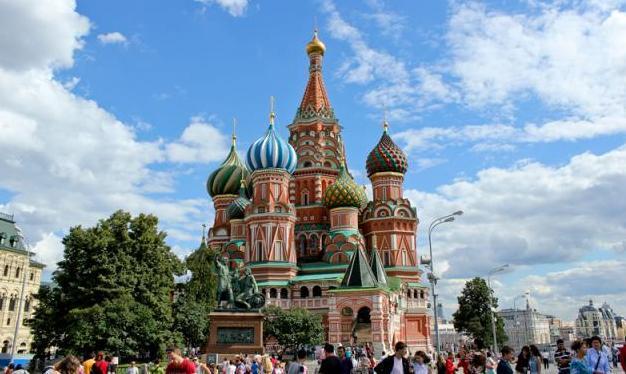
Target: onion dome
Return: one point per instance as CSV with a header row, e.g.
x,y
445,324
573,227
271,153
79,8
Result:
x,y
386,156
271,151
344,192
225,179
315,45
237,208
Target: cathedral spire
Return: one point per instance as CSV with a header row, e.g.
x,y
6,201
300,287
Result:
x,y
315,101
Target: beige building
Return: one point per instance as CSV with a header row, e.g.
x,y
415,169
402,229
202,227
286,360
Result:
x,y
16,270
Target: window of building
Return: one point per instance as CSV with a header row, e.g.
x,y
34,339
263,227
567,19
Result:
x,y
9,321
421,294
317,291
307,164
27,305
284,293
305,198
32,276
12,304
5,345
273,293
260,210
2,303
304,292
17,272
6,270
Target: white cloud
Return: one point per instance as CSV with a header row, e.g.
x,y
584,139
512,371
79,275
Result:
x,y
235,8
36,36
529,213
199,142
112,38
68,161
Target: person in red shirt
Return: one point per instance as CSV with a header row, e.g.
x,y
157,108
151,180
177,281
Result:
x,y
178,364
463,362
100,366
450,369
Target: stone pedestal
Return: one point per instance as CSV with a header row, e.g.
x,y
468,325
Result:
x,y
234,332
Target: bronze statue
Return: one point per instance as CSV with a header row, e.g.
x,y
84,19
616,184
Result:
x,y
239,292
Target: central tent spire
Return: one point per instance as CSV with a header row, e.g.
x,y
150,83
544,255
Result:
x,y
315,101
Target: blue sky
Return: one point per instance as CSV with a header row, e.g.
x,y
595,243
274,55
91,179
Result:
x,y
511,111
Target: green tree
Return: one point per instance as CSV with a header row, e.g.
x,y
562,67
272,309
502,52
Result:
x,y
192,307
293,328
112,289
474,315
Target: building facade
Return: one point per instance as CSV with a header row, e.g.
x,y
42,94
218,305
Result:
x,y
295,216
526,326
592,321
17,269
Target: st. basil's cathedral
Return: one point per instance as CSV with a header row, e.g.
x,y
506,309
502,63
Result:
x,y
294,215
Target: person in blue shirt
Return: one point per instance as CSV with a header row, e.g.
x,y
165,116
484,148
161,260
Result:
x,y
596,358
578,363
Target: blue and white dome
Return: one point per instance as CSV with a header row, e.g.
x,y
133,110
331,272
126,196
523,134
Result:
x,y
271,152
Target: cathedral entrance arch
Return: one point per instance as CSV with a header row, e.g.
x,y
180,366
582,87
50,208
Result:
x,y
362,331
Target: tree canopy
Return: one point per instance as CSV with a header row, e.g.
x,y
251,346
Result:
x,y
112,290
474,315
293,328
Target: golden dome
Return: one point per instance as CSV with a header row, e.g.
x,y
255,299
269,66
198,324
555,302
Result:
x,y
315,45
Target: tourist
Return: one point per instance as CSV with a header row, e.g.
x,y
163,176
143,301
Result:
x,y
396,363
255,365
240,366
596,358
156,368
463,361
578,364
69,365
19,369
132,369
523,360
88,363
177,363
9,369
478,364
346,363
562,357
490,363
441,364
450,368
420,363
266,365
504,366
545,356
331,364
298,365
535,360
100,366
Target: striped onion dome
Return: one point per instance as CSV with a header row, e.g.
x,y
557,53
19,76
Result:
x,y
225,179
271,152
237,208
386,156
344,192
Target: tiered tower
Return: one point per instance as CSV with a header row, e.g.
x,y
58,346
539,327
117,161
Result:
x,y
390,222
223,185
316,136
271,216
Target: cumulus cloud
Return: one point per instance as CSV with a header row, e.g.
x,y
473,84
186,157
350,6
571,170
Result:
x,y
33,37
67,160
112,38
529,213
235,8
199,142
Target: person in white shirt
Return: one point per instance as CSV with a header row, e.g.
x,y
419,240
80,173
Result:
x,y
132,369
396,364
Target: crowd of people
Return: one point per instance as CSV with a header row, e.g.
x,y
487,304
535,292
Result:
x,y
588,356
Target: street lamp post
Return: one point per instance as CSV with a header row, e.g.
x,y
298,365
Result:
x,y
432,277
492,306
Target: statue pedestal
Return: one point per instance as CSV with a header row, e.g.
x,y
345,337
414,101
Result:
x,y
234,332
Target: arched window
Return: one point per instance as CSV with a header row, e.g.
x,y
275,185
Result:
x,y
305,198
302,245
307,164
415,294
22,349
27,305
6,270
304,292
313,243
317,291
12,304
408,294
17,272
284,293
421,294
2,302
273,293
327,164
5,346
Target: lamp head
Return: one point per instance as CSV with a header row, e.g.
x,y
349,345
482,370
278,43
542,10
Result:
x,y
458,213
449,219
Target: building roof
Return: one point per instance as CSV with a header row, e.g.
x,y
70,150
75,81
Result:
x,y
226,179
344,192
271,151
378,268
359,273
386,157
